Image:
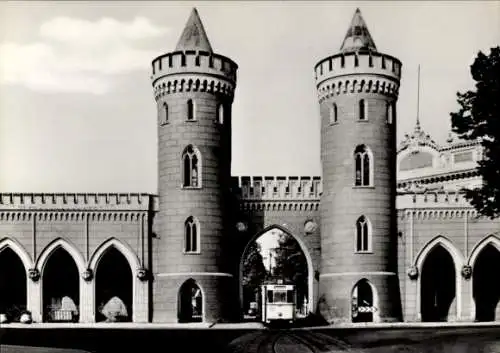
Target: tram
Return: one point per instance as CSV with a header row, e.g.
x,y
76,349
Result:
x,y
278,303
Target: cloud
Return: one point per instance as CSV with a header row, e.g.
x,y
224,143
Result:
x,y
75,55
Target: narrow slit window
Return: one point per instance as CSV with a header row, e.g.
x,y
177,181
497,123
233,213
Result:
x,y
362,109
333,113
190,110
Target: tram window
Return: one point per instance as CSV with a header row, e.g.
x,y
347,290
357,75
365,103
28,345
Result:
x,y
269,296
280,297
289,296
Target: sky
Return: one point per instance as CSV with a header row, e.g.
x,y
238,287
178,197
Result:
x,y
77,112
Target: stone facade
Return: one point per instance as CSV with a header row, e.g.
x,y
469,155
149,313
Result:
x,y
409,198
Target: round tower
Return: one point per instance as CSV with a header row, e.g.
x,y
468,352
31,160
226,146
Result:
x,y
194,90
358,90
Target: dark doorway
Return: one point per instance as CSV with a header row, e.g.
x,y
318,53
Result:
x,y
362,302
61,288
113,287
12,284
486,286
438,287
190,302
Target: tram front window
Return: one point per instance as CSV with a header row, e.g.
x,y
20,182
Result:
x,y
289,296
280,297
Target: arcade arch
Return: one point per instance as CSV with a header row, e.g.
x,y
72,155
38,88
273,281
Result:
x,y
60,286
485,261
438,285
114,265
13,281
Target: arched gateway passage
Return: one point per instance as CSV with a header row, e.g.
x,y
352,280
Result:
x,y
12,284
190,305
114,289
275,254
486,283
438,285
61,287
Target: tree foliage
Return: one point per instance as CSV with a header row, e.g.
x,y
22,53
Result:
x,y
254,271
291,264
479,118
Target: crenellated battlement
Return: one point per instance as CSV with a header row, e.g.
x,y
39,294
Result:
x,y
76,201
355,72
249,188
192,70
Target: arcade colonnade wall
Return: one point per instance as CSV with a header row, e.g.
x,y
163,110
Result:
x,y
86,226
436,220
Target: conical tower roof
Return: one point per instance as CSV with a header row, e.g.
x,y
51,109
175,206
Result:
x,y
194,36
358,37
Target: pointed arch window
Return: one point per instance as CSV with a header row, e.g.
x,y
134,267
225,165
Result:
x,y
333,114
191,116
363,165
164,114
363,109
363,235
191,168
220,113
191,236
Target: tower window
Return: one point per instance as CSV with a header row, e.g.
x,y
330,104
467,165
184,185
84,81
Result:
x,y
356,61
363,236
191,236
342,61
190,110
220,114
164,114
363,166
333,113
362,109
389,112
191,168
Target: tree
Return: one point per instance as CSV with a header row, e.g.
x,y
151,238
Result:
x,y
254,271
291,264
479,118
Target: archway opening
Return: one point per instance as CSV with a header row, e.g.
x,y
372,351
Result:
x,y
190,306
438,285
61,288
113,287
486,286
363,303
271,257
12,284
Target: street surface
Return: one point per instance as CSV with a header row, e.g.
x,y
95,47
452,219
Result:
x,y
438,340
465,339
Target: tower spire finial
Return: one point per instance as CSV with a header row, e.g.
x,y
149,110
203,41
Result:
x,y
358,37
417,125
193,36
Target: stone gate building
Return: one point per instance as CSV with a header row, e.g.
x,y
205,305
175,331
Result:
x,y
385,230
